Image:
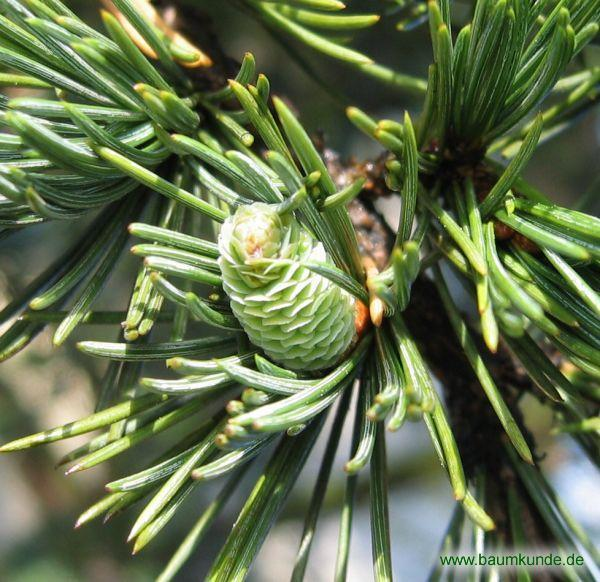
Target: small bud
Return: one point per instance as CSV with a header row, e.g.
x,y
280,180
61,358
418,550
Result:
x,y
377,311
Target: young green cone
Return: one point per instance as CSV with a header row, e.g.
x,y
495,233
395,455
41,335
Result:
x,y
300,319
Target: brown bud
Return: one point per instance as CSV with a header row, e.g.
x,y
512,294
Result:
x,y
526,244
502,231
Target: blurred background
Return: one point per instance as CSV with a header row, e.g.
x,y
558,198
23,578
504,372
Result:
x,y
44,387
